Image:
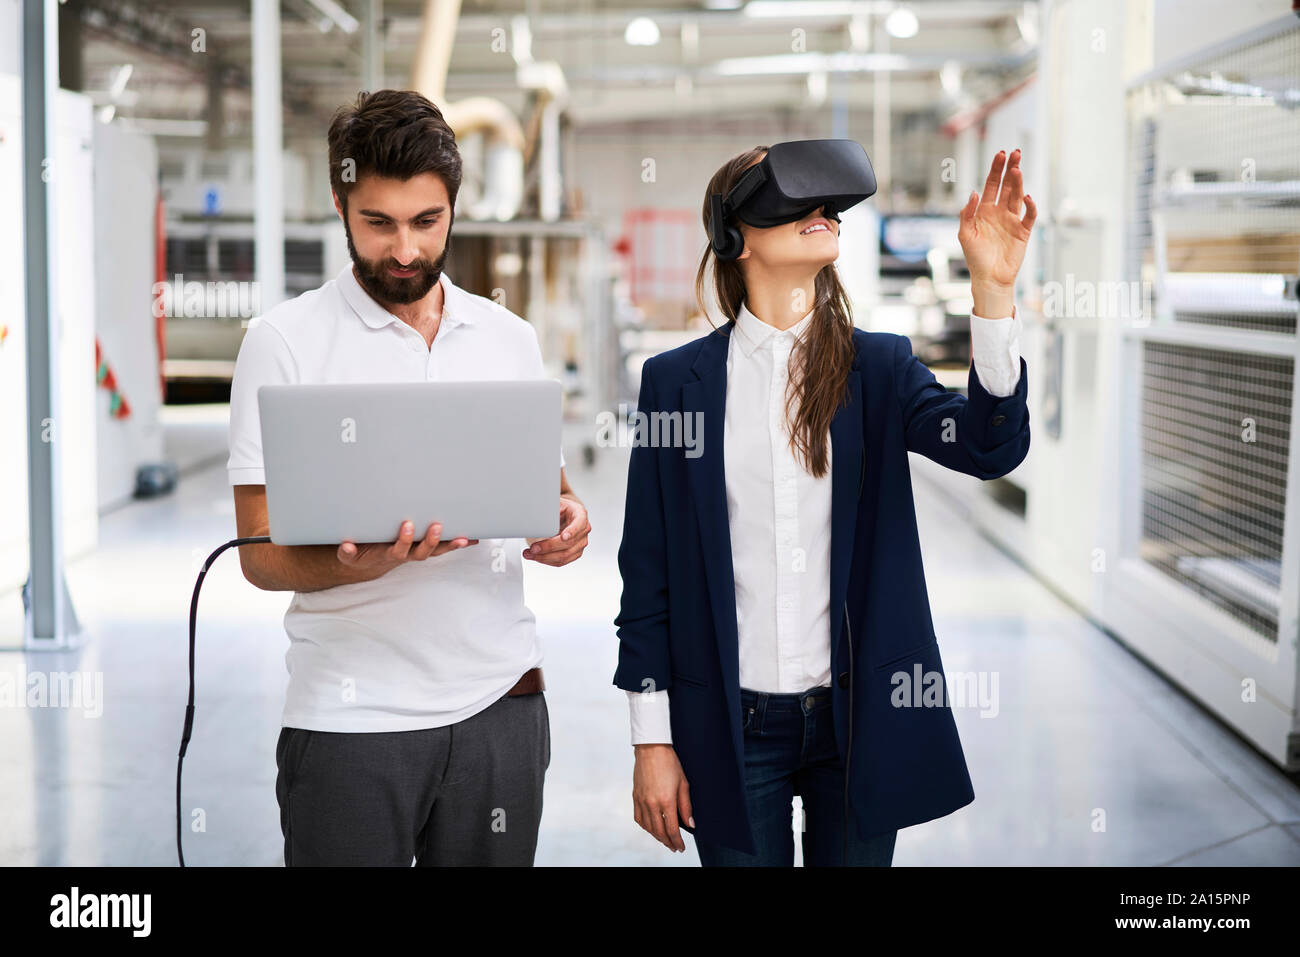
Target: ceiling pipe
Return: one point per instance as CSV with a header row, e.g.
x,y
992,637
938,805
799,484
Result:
x,y
503,173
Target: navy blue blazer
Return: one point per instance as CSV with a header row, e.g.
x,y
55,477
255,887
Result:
x,y
677,621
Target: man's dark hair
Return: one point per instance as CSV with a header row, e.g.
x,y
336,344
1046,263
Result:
x,y
396,134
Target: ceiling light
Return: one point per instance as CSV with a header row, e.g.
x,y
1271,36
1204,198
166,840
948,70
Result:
x,y
508,264
902,23
641,32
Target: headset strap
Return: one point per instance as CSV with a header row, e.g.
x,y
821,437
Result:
x,y
746,186
722,209
717,219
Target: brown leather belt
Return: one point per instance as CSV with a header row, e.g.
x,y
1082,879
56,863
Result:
x,y
530,683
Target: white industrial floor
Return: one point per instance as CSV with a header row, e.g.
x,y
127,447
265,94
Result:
x,y
1081,726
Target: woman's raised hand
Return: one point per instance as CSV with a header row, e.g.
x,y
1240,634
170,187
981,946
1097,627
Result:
x,y
994,234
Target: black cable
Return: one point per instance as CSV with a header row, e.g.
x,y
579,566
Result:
x,y
189,707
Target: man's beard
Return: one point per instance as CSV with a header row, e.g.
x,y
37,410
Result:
x,y
385,287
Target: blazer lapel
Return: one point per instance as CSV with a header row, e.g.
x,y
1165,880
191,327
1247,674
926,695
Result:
x,y
848,465
707,398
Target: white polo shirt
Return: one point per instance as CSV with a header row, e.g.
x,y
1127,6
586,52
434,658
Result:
x,y
430,643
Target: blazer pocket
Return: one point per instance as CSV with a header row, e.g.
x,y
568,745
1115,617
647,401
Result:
x,y
688,680
914,653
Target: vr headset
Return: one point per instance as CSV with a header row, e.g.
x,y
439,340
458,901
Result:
x,y
793,180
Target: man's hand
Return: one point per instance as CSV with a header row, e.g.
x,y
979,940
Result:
x,y
380,555
661,797
570,543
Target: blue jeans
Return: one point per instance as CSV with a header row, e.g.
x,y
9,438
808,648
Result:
x,y
789,750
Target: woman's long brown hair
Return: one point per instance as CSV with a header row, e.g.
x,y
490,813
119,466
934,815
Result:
x,y
821,359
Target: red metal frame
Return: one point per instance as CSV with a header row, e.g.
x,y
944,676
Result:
x,y
663,248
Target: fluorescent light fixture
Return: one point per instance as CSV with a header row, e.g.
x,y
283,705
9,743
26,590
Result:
x,y
775,64
795,9
722,4
902,23
641,32
803,63
346,21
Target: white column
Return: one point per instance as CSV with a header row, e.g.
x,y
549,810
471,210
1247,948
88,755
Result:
x,y
53,622
268,153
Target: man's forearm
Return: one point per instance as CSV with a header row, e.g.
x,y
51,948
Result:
x,y
300,567
566,490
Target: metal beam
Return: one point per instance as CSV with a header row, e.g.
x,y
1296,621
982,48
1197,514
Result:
x,y
773,65
156,32
372,45
615,20
53,624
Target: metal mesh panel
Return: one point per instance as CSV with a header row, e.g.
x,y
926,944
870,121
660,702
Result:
x,y
1215,428
1215,231
235,258
305,256
1216,161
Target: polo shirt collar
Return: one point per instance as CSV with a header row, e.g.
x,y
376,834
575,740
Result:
x,y
456,305
754,332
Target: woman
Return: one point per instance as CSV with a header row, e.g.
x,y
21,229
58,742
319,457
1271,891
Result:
x,y
774,604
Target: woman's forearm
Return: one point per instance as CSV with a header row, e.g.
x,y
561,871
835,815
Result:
x,y
992,300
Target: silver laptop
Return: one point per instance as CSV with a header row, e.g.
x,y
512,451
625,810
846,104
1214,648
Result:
x,y
352,460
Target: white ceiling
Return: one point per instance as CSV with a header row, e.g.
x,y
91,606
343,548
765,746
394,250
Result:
x,y
689,72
